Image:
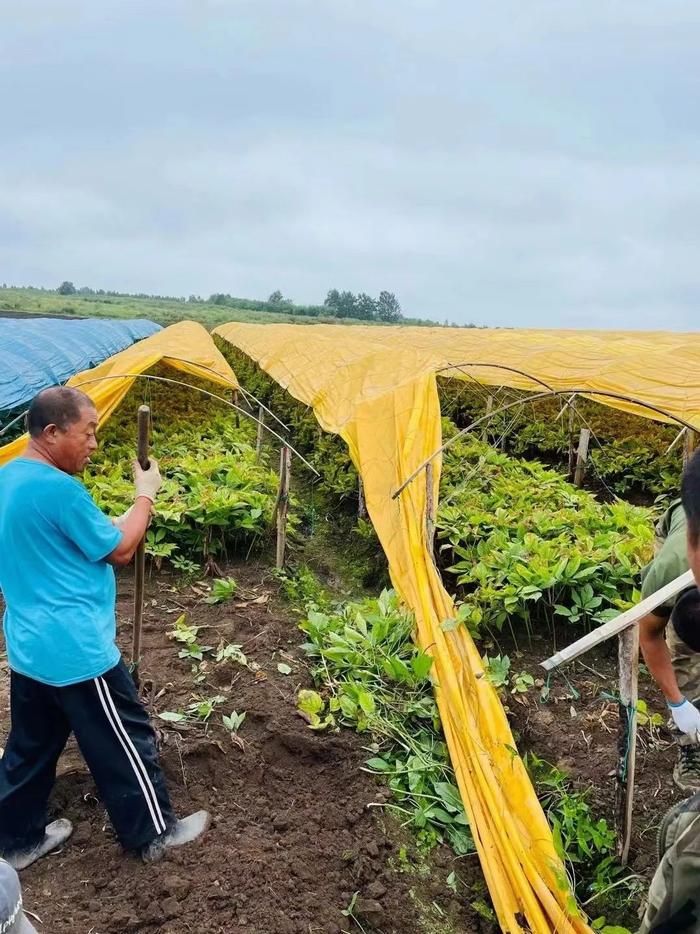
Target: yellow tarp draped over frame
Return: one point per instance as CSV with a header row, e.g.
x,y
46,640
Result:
x,y
377,388
186,346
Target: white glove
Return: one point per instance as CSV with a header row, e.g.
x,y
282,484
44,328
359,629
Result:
x,y
686,716
147,482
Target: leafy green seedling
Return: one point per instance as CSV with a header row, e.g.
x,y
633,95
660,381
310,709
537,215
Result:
x,y
222,589
234,722
522,682
497,670
203,709
231,652
312,706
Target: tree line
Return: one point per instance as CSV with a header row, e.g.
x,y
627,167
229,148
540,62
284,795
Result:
x,y
337,304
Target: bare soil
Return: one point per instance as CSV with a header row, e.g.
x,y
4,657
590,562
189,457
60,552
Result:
x,y
575,727
294,834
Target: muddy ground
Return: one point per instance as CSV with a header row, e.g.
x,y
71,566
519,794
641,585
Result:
x,y
295,832
294,835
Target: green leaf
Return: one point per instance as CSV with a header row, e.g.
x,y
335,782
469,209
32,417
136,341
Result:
x,y
170,716
379,765
284,669
310,702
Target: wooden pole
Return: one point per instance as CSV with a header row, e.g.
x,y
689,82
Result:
x,y
489,410
690,442
429,508
283,503
236,416
261,428
582,456
361,505
628,663
572,446
622,622
144,424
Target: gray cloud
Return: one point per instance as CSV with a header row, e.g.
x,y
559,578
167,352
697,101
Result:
x,y
523,164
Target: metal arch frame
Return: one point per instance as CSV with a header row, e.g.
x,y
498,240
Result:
x,y
206,392
622,397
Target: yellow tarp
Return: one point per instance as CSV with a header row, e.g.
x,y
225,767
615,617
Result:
x,y
377,388
186,346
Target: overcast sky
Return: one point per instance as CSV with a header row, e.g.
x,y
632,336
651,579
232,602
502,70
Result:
x,y
518,162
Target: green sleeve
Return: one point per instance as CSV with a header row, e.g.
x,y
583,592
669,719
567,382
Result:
x,y
670,562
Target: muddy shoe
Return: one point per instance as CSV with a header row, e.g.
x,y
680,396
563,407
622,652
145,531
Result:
x,y
686,772
183,831
55,835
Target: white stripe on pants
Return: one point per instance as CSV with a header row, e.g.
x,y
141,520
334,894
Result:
x,y
131,754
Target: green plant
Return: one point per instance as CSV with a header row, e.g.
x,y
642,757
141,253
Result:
x,y
234,722
187,635
188,569
222,590
231,652
313,707
522,682
497,670
526,546
378,682
582,842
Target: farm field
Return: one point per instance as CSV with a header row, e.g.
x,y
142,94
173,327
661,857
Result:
x,y
30,301
335,803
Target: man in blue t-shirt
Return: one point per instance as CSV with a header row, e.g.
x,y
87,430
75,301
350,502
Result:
x,y
57,552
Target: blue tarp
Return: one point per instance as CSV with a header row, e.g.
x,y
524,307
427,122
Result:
x,y
40,352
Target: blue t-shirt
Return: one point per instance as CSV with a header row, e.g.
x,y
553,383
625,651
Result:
x,y
59,591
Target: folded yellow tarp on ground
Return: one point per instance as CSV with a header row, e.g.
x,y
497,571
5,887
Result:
x,y
377,388
186,346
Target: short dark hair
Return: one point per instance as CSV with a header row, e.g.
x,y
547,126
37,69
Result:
x,y
59,405
690,494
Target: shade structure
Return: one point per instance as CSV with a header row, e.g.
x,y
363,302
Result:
x,y
377,388
40,352
186,346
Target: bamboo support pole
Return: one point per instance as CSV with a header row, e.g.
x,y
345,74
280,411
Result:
x,y
690,442
489,410
628,663
236,417
582,456
283,503
261,429
429,508
361,504
572,446
622,622
144,424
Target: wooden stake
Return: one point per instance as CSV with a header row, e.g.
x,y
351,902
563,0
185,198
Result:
x,y
622,622
361,505
572,447
144,425
690,442
582,456
236,416
628,662
261,428
283,503
429,508
489,409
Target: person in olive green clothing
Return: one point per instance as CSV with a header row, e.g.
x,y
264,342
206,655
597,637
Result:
x,y
672,662
673,902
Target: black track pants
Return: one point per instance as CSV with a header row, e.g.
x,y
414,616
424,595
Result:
x,y
117,742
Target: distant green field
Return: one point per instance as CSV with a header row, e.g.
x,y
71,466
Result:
x,y
163,311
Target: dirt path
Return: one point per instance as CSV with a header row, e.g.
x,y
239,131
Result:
x,y
292,838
